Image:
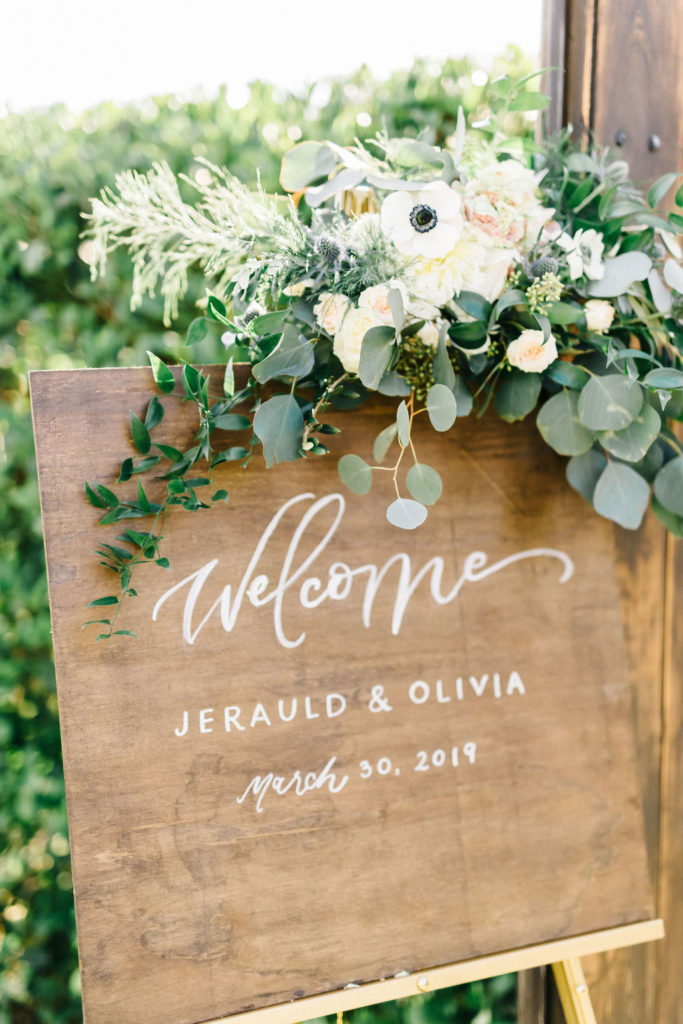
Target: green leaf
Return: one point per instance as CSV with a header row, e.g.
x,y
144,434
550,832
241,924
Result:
x,y
584,471
569,375
669,485
661,187
154,414
376,354
162,374
443,368
169,452
631,443
610,402
383,442
355,473
229,455
269,323
231,421
191,380
112,599
140,434
621,495
474,305
529,101
143,499
124,632
675,219
471,335
126,471
441,407
406,513
197,330
665,377
517,394
94,498
403,425
564,313
221,495
217,311
678,198
107,496
424,483
560,427
305,164
279,423
512,297
144,464
293,356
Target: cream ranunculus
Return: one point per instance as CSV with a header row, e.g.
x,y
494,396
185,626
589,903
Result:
x,y
376,299
433,283
427,222
349,337
599,315
330,310
501,202
429,334
529,353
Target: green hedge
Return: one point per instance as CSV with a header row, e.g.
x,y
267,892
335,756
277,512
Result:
x,y
52,315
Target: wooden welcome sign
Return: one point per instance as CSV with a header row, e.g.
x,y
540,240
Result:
x,y
341,762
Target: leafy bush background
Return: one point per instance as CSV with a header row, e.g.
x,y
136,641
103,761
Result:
x,y
52,316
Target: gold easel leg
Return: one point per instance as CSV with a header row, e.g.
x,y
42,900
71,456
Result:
x,y
573,992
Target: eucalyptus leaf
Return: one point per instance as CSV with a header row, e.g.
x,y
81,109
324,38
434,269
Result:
x,y
564,313
293,356
632,442
669,485
231,421
197,330
403,425
569,375
384,441
355,473
442,367
424,483
584,471
395,300
661,296
661,187
621,495
348,178
393,385
474,305
560,427
376,353
664,377
512,297
463,397
670,520
610,402
406,513
620,273
673,275
279,424
517,394
441,407
306,163
269,323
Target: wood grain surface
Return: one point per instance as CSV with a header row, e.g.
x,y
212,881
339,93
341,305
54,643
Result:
x,y
192,905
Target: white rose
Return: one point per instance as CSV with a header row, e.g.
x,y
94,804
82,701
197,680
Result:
x,y
529,353
429,334
330,310
599,315
349,337
376,299
489,277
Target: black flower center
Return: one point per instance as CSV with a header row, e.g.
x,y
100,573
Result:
x,y
423,218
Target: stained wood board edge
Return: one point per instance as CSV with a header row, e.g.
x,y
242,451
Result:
x,y
451,974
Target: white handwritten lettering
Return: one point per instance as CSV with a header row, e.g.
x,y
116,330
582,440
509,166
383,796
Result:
x,y
314,590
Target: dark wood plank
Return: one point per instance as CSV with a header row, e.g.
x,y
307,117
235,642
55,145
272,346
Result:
x,y
224,905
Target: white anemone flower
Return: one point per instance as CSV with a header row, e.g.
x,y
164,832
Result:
x,y
584,253
427,222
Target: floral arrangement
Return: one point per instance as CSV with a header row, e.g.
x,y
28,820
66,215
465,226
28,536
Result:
x,y
486,272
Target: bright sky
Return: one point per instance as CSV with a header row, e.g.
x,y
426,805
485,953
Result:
x,y
84,51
